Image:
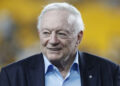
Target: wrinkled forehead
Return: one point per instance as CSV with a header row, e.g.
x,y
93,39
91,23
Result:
x,y
57,14
57,18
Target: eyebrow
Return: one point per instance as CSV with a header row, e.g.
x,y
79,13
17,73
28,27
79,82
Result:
x,y
45,29
64,31
59,29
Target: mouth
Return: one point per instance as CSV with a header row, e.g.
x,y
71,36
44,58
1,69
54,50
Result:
x,y
54,49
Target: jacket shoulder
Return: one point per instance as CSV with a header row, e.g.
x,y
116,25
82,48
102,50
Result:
x,y
21,63
97,60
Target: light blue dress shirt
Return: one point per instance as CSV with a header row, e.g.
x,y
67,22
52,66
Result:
x,y
53,76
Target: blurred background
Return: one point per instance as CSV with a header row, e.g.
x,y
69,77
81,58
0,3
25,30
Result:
x,y
19,38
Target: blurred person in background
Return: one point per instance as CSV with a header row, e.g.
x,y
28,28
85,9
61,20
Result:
x,y
60,28
9,47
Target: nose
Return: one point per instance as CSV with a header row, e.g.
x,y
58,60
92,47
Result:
x,y
53,39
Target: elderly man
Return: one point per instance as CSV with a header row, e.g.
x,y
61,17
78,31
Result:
x,y
60,29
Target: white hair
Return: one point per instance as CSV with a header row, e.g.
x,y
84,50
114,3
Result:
x,y
79,26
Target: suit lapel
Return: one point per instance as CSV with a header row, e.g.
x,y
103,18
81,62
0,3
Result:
x,y
88,70
82,69
35,71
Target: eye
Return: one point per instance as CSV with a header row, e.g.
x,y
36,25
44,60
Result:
x,y
62,33
46,32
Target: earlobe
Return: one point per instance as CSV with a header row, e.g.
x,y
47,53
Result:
x,y
39,33
80,36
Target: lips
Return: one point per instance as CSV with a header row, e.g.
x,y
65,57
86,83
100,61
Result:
x,y
54,49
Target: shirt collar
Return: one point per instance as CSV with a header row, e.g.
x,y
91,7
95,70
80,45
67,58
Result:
x,y
49,65
75,65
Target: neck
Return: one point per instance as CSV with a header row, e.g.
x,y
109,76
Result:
x,y
64,64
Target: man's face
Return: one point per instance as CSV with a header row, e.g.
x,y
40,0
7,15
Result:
x,y
57,37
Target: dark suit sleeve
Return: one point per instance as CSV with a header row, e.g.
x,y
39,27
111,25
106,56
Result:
x,y
4,81
117,77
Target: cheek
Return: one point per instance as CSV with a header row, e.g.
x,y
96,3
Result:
x,y
43,42
72,43
67,43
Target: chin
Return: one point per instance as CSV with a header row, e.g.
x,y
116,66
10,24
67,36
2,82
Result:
x,y
54,57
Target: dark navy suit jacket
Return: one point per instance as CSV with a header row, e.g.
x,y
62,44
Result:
x,y
94,71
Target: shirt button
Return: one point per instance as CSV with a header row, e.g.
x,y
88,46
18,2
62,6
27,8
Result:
x,y
90,76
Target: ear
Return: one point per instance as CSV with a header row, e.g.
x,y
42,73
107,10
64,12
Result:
x,y
39,33
80,36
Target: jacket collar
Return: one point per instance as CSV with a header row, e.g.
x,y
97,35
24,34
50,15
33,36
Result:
x,y
35,69
88,69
